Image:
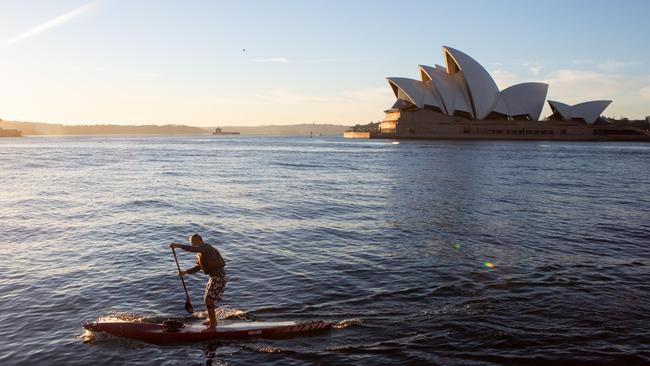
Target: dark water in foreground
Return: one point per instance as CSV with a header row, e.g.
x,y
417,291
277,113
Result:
x,y
387,240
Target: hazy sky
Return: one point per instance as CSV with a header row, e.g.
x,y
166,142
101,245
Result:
x,y
140,61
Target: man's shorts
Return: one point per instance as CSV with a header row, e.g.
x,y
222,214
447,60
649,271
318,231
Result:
x,y
214,290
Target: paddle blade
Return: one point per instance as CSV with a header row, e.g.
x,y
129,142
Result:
x,y
188,306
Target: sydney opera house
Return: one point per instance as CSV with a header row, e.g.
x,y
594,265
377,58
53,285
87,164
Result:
x,y
461,101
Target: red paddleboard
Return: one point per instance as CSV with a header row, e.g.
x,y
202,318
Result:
x,y
155,333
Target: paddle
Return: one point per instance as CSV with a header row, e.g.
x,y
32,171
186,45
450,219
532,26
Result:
x,y
188,304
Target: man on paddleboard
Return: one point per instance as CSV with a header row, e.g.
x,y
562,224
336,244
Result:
x,y
212,263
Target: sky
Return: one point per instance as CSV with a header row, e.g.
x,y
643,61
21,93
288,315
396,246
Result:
x,y
210,63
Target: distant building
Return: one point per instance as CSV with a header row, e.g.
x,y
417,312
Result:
x,y
466,89
461,101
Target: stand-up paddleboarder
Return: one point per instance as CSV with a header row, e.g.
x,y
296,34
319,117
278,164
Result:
x,y
212,263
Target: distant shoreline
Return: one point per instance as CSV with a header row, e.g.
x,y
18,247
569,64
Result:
x,y
51,129
152,135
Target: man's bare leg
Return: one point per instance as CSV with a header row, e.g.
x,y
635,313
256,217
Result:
x,y
213,321
213,318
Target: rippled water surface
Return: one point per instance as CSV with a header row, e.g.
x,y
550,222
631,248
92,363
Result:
x,y
473,253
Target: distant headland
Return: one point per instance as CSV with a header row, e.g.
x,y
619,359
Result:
x,y
40,128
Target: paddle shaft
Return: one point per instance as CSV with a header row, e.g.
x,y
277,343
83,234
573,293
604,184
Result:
x,y
179,275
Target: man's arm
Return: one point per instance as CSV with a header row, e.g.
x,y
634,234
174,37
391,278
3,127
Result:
x,y
188,248
193,269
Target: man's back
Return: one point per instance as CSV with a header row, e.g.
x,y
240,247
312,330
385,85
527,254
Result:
x,y
210,260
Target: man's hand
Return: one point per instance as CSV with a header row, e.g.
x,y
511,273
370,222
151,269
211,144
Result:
x,y
174,245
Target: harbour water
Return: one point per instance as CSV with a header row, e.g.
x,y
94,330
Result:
x,y
436,252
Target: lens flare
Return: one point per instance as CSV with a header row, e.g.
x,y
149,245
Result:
x,y
488,264
456,246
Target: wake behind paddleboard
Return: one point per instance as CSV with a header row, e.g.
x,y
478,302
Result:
x,y
156,333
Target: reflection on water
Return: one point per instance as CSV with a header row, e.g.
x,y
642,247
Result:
x,y
443,252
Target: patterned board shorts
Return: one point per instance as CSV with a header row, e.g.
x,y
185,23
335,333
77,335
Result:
x,y
214,290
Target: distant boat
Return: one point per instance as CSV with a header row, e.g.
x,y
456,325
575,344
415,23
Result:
x,y
218,131
10,133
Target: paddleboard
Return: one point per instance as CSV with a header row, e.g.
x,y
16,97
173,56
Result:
x,y
156,333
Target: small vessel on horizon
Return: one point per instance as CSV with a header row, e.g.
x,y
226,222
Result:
x,y
219,131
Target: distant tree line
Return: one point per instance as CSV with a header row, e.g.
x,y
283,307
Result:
x,y
370,127
623,121
37,128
